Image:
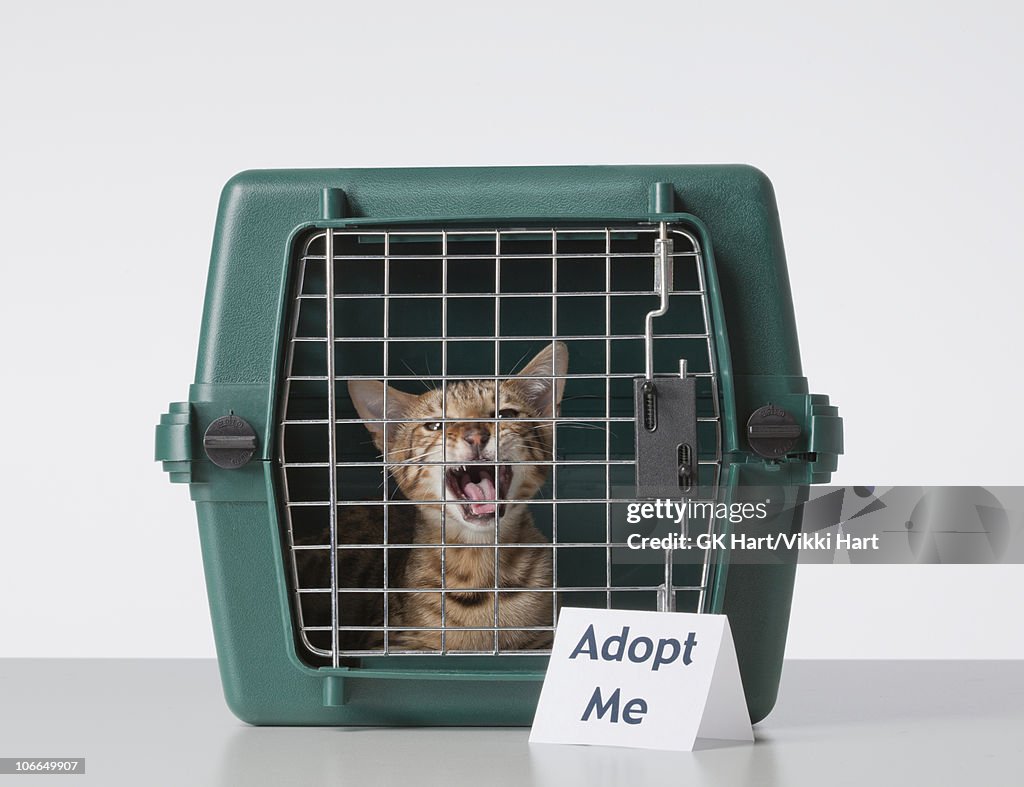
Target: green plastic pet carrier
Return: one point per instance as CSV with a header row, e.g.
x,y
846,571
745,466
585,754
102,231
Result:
x,y
647,312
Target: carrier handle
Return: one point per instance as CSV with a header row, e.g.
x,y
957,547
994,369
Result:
x,y
174,442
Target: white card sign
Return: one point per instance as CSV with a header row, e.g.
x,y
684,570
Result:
x,y
648,680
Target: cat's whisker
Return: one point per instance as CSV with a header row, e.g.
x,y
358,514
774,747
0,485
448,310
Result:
x,y
582,425
405,450
521,359
532,442
424,381
413,448
412,459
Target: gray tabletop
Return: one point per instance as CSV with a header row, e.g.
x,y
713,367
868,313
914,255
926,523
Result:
x,y
836,723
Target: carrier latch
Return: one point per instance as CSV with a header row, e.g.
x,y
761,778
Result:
x,y
229,442
772,432
666,436
665,407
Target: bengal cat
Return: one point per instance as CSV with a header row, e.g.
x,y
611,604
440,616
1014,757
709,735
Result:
x,y
486,490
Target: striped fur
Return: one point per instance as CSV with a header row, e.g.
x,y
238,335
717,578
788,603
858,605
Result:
x,y
469,552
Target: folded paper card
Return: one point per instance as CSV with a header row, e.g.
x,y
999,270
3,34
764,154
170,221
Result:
x,y
650,680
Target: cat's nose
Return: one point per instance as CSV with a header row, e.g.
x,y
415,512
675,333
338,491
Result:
x,y
476,436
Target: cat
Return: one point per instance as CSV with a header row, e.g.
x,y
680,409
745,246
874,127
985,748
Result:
x,y
487,505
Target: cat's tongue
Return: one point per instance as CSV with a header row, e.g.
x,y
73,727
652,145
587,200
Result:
x,y
482,491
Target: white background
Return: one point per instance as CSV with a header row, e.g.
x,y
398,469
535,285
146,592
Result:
x,y
892,132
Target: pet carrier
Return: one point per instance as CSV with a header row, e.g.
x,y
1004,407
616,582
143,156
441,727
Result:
x,y
423,398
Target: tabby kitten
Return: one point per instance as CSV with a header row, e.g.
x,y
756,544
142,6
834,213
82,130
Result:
x,y
478,468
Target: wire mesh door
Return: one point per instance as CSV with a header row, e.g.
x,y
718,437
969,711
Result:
x,y
435,322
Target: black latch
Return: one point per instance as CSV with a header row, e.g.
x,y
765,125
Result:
x,y
230,442
665,436
772,432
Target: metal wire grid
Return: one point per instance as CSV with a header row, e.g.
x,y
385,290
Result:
x,y
385,249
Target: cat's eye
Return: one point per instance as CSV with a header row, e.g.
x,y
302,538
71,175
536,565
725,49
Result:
x,y
432,427
508,412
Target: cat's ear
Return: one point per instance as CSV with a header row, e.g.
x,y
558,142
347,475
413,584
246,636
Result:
x,y
542,380
368,398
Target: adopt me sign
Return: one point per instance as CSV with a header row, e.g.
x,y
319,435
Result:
x,y
648,680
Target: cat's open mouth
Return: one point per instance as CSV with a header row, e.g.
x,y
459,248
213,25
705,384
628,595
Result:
x,y
475,485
